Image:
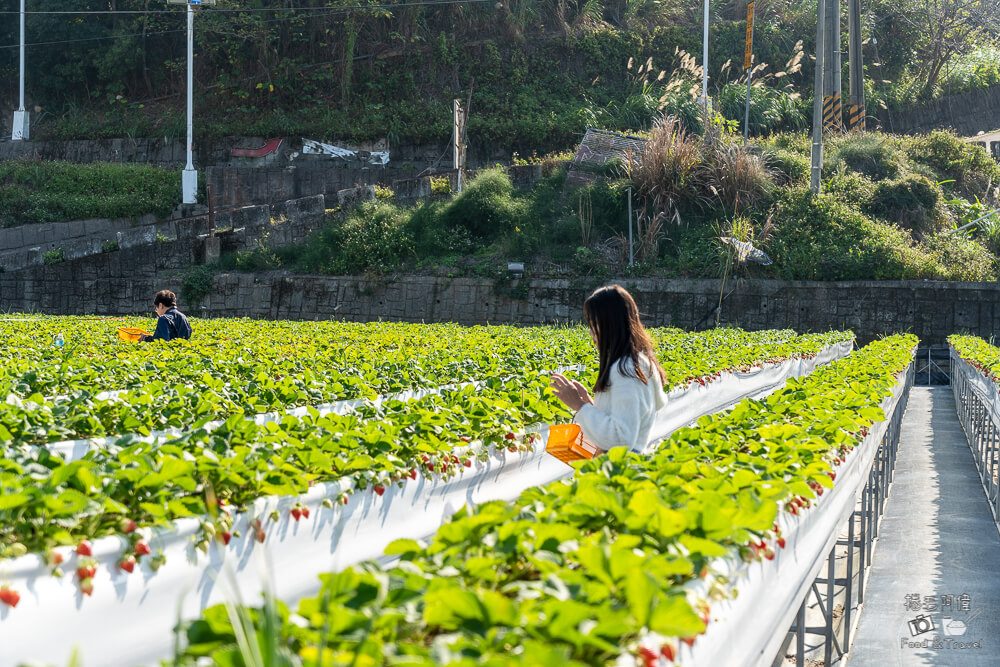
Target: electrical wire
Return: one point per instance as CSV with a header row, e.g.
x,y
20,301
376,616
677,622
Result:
x,y
401,5
332,11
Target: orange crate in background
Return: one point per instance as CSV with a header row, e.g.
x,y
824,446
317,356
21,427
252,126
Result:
x,y
566,443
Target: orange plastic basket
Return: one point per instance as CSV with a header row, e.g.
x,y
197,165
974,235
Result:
x,y
566,443
131,334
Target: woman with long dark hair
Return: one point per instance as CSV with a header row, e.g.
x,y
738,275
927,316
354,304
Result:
x,y
629,387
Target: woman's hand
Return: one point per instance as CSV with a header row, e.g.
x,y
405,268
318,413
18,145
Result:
x,y
570,392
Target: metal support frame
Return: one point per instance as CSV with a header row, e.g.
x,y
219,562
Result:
x,y
976,414
824,588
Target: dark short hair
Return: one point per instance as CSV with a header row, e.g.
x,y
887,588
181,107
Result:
x,y
612,315
166,297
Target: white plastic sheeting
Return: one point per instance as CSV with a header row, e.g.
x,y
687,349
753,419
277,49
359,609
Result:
x,y
685,405
984,387
749,630
72,450
129,618
310,147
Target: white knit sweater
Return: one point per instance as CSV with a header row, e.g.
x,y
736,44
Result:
x,y
623,414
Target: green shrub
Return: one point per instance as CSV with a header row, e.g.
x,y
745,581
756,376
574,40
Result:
x,y
53,256
910,202
870,154
373,238
821,238
788,167
960,258
34,191
969,166
486,207
771,109
852,188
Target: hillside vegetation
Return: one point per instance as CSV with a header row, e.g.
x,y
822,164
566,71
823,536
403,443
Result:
x,y
889,209
539,71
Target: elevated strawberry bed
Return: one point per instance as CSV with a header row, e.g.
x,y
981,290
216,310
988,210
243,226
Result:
x,y
584,571
387,443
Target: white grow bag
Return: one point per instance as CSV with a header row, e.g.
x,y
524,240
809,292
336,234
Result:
x,y
129,619
749,630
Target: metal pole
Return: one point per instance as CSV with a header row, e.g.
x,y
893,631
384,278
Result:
x,y
20,105
817,139
631,256
189,185
856,113
746,113
832,77
748,64
704,61
456,145
20,127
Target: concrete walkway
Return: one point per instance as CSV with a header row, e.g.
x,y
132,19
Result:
x,y
938,552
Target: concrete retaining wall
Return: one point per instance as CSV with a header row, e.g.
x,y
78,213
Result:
x,y
122,282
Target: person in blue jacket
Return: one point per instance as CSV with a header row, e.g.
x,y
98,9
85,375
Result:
x,y
172,323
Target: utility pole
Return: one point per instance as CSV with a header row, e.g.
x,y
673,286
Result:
x,y
704,61
457,148
189,177
748,68
856,108
832,86
817,129
22,126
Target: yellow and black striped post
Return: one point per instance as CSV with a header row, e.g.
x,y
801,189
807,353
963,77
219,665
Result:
x,y
856,118
832,113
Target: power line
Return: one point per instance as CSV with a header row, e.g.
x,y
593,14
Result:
x,y
91,39
179,12
328,12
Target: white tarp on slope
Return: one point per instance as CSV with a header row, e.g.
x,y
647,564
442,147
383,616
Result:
x,y
129,618
749,630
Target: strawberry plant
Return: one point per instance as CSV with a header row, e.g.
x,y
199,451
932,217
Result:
x,y
578,571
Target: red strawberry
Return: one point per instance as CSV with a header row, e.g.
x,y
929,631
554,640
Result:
x,y
649,658
142,548
668,652
86,572
413,473
225,537
425,458
833,476
467,463
512,449
9,596
379,489
689,640
781,542
296,513
510,436
260,535
305,512
87,586
769,553
83,549
127,564
344,500
793,509
127,526
464,438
